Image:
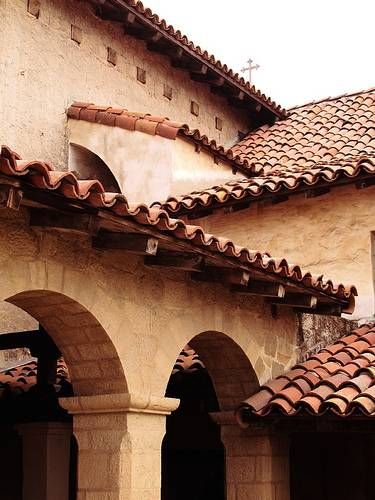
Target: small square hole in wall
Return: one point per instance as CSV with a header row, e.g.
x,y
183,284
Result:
x,y
194,108
111,56
33,7
218,123
167,91
141,75
76,34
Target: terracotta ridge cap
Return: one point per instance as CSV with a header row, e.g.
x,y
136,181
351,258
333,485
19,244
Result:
x,y
153,125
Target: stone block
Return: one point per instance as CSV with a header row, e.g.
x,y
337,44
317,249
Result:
x,y
255,492
240,469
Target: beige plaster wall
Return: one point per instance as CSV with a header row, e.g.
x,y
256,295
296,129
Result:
x,y
148,315
330,235
43,71
147,168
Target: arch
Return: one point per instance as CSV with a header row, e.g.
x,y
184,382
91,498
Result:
x,y
89,165
92,359
230,369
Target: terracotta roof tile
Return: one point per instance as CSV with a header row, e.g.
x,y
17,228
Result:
x,y
350,390
22,377
154,125
278,183
318,145
91,194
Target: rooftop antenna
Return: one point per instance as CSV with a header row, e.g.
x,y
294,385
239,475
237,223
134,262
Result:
x,y
250,67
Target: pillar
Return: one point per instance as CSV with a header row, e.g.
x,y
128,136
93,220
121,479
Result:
x,y
45,460
257,461
119,445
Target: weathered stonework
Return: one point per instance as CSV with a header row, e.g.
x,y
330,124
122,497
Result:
x,y
120,327
44,71
316,332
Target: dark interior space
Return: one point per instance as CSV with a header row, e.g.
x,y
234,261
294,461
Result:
x,y
332,466
193,459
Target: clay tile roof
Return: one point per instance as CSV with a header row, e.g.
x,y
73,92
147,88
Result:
x,y
22,377
345,386
147,24
330,127
154,125
90,194
318,146
272,185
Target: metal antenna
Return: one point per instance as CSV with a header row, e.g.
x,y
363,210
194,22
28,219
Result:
x,y
250,67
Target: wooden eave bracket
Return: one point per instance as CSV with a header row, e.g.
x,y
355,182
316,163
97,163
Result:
x,y
10,195
181,262
141,244
65,222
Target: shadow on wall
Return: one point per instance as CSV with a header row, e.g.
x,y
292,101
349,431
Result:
x,y
88,165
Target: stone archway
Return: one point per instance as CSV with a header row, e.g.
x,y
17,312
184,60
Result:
x,y
211,377
91,357
96,373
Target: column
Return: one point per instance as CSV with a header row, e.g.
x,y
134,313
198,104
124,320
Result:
x,y
257,461
119,440
45,460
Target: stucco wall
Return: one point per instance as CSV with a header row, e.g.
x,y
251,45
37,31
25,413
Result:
x,y
330,235
43,71
147,168
148,315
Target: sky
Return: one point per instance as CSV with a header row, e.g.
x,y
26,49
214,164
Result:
x,y
306,49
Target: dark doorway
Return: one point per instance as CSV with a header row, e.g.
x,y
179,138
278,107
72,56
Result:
x,y
335,466
193,458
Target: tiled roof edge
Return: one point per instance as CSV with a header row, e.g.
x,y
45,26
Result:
x,y
334,369
153,125
331,98
42,176
161,24
256,187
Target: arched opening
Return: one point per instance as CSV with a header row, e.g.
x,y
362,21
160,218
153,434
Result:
x,y
52,344
89,165
211,375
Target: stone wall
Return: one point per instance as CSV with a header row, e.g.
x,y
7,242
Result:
x,y
99,305
330,235
43,71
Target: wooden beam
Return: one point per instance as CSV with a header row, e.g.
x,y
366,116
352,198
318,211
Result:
x,y
10,197
199,74
315,192
180,262
130,242
225,276
297,300
324,310
262,288
65,222
365,183
219,81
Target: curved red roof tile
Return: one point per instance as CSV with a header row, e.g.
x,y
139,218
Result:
x,y
345,387
282,183
41,175
23,376
153,125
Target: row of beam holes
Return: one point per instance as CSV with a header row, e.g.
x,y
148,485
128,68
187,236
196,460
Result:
x,y
33,7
